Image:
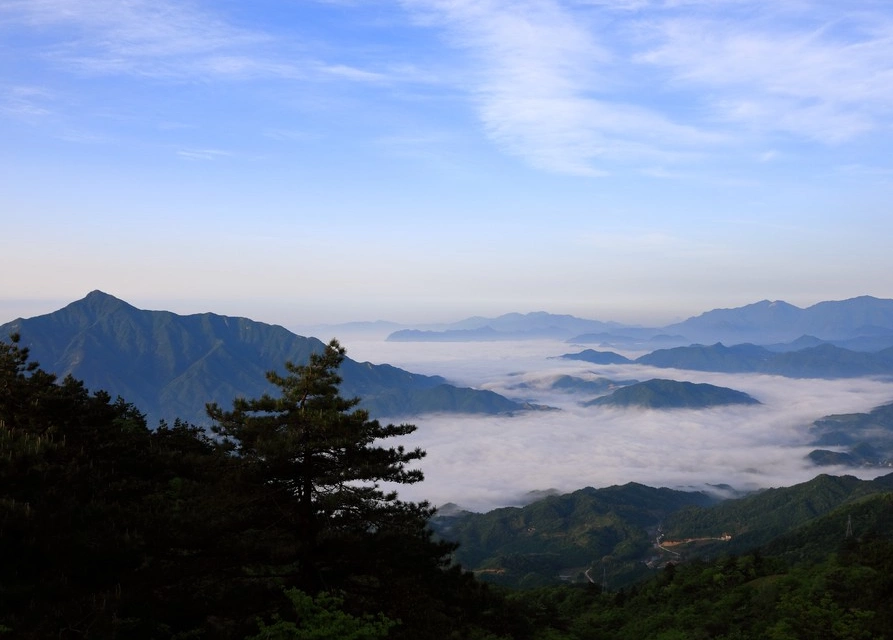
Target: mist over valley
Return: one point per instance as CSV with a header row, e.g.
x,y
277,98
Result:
x,y
491,461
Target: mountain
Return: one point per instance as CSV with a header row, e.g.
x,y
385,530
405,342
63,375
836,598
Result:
x,y
864,323
510,326
614,531
631,338
822,361
862,518
739,358
860,343
757,519
572,384
767,321
562,532
672,394
170,365
483,334
598,357
867,438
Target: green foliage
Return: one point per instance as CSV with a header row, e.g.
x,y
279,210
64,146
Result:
x,y
315,454
757,519
86,515
111,530
322,618
604,528
732,598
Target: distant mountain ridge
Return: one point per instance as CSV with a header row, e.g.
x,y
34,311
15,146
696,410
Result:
x,y
771,321
864,319
169,365
821,361
510,326
866,438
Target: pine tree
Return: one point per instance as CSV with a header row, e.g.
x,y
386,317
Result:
x,y
316,456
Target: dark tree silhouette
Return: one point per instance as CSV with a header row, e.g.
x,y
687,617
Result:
x,y
317,456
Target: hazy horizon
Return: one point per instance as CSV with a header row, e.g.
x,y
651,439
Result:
x,y
12,309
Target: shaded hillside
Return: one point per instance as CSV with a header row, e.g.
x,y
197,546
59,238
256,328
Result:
x,y
671,394
861,519
560,532
612,531
757,519
170,365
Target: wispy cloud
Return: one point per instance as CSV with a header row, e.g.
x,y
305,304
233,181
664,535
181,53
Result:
x,y
203,154
166,40
797,70
542,84
661,88
578,86
26,102
148,38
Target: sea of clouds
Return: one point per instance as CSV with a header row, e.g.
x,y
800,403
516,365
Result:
x,y
484,462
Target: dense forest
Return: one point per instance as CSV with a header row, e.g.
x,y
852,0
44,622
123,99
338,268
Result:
x,y
272,525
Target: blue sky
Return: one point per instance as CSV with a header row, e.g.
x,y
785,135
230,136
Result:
x,y
300,161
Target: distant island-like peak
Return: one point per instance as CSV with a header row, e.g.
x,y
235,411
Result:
x,y
673,394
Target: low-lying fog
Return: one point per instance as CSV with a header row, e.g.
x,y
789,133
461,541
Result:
x,y
487,462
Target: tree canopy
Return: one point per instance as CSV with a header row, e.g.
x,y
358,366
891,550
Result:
x,y
320,454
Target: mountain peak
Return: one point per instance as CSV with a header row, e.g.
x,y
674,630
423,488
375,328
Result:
x,y
99,303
